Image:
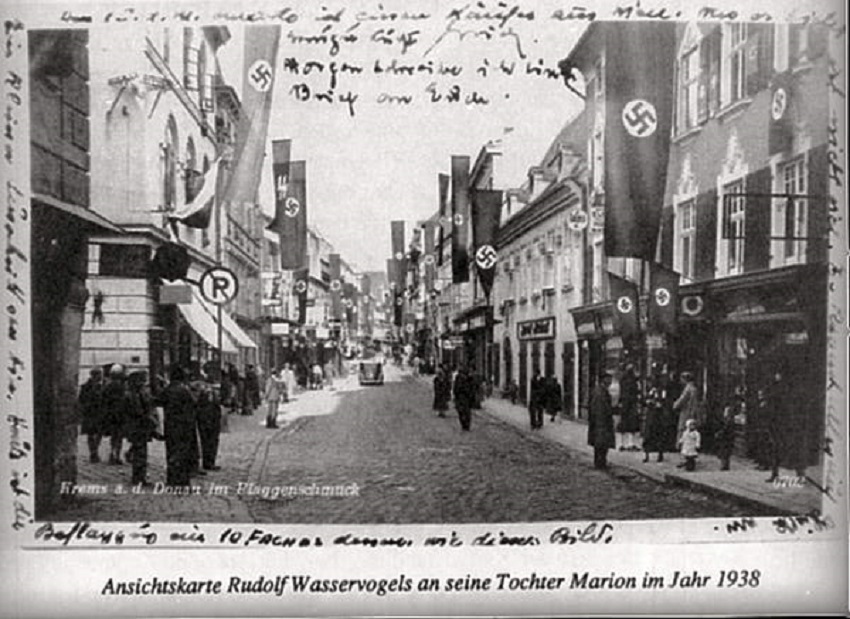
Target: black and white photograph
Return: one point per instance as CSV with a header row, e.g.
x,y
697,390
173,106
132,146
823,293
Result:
x,y
301,281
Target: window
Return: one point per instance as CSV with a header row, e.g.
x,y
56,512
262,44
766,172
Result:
x,y
169,158
124,260
687,238
733,225
598,272
793,177
737,61
689,76
190,60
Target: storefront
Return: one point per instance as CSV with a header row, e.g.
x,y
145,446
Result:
x,y
536,351
475,325
737,333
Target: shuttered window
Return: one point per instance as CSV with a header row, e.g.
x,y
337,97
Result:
x,y
734,222
795,211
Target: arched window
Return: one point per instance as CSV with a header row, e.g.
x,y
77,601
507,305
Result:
x,y
170,153
193,176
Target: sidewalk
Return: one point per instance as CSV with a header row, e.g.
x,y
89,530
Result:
x,y
742,483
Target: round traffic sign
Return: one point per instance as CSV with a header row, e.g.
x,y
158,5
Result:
x,y
219,285
578,220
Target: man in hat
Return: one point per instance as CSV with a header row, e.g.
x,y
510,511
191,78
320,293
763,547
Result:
x,y
600,427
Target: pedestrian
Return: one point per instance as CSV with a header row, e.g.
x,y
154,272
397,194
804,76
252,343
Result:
x,y
724,437
629,399
179,426
275,388
464,396
442,391
600,427
656,424
329,374
288,382
672,390
690,444
252,388
536,401
208,411
775,416
511,391
198,387
553,396
317,376
687,403
478,392
141,424
115,408
90,405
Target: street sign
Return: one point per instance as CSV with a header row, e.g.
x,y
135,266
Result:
x,y
219,285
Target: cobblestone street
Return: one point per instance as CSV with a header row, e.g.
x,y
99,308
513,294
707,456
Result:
x,y
409,466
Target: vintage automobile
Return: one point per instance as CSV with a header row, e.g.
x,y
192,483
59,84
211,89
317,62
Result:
x,y
371,372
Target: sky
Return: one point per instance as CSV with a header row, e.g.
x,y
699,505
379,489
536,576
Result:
x,y
382,162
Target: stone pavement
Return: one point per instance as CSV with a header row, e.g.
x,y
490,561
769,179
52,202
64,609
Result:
x,y
742,482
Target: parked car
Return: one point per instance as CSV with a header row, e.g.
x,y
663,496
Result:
x,y
371,372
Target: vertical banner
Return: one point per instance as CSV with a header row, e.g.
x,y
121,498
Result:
x,y
486,209
444,218
460,218
260,60
624,295
663,309
397,231
639,63
428,258
290,220
780,131
336,286
301,288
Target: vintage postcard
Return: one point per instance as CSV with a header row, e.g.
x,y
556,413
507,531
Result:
x,y
424,308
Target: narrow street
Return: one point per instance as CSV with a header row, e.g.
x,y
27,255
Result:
x,y
400,462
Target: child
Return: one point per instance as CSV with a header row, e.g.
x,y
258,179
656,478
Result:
x,y
689,442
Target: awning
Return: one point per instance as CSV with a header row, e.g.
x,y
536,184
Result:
x,y
235,331
203,323
86,214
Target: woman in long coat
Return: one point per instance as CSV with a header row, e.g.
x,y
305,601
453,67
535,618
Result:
x,y
600,427
687,404
656,424
442,391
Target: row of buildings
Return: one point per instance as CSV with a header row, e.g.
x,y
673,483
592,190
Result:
x,y
125,132
744,223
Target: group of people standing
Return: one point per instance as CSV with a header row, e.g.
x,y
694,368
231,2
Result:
x,y
122,406
240,392
671,414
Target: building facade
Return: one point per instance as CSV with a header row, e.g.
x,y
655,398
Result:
x,y
157,129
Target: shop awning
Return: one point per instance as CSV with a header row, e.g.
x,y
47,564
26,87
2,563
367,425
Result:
x,y
239,336
203,323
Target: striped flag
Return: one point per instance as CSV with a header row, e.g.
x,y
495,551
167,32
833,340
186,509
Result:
x,y
460,218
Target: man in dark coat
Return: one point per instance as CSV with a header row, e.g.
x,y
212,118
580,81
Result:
x,y
536,400
178,406
140,426
629,400
90,405
600,427
208,410
553,396
464,394
656,423
442,391
115,408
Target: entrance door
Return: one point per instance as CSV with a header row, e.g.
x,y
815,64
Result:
x,y
568,364
549,359
509,363
523,370
535,358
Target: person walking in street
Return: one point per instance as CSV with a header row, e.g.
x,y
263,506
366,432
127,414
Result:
x,y
317,376
775,415
600,427
690,444
208,410
464,396
179,428
442,391
90,405
553,396
198,386
252,389
536,400
629,423
687,403
329,374
724,437
141,425
275,388
115,408
655,425
287,379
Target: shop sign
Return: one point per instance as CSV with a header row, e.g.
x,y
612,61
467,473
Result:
x,y
597,217
793,339
540,329
175,294
322,333
280,328
476,322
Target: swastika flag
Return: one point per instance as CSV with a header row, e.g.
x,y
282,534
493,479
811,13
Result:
x,y
663,308
624,295
639,63
486,209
